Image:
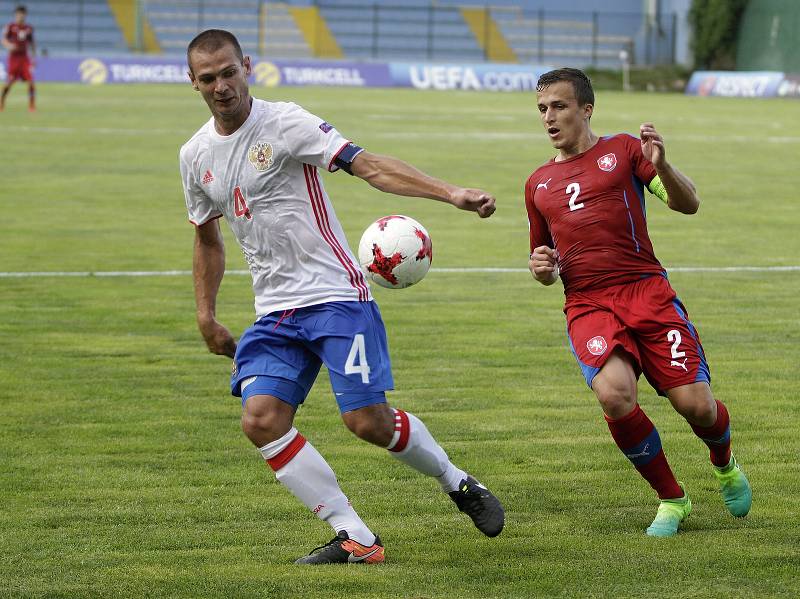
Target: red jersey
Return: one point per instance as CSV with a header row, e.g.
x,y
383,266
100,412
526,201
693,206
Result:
x,y
21,36
590,208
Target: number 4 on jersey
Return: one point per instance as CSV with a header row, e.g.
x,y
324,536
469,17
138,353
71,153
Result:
x,y
240,204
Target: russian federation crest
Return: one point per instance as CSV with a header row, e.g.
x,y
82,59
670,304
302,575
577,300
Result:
x,y
260,156
607,163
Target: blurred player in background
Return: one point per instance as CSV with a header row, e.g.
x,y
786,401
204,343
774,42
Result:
x,y
255,163
587,225
17,38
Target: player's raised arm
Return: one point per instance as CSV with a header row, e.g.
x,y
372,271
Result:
x,y
679,189
207,269
395,176
4,40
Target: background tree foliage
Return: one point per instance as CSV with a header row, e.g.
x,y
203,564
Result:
x,y
715,31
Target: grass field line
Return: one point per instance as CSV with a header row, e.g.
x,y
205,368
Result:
x,y
462,270
406,134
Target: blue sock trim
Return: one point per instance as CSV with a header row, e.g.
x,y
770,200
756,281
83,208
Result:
x,y
646,451
723,440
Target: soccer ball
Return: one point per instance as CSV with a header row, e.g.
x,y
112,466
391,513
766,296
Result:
x,y
395,251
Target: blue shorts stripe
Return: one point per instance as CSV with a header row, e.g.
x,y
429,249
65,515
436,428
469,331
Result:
x,y
589,372
703,373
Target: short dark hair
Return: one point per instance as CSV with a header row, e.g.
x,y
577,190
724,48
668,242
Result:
x,y
21,8
580,83
212,40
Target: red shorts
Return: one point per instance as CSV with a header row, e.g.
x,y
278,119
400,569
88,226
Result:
x,y
647,321
19,67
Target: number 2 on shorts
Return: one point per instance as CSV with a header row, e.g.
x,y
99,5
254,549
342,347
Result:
x,y
675,336
358,353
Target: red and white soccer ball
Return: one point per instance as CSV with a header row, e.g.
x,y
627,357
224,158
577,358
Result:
x,y
395,252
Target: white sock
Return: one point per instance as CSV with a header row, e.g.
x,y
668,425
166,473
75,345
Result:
x,y
412,444
301,469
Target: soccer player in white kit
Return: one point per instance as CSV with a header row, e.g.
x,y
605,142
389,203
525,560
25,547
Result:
x,y
255,163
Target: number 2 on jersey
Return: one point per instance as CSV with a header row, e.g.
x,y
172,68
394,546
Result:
x,y
358,353
240,205
574,188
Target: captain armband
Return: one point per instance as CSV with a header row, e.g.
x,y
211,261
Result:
x,y
344,159
656,187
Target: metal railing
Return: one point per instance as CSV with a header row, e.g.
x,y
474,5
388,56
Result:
x,y
367,30
69,26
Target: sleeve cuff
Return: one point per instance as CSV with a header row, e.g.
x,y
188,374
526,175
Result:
x,y
208,220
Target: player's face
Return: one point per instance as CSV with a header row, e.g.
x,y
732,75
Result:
x,y
565,121
221,78
19,17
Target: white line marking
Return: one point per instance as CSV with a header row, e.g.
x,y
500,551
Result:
x,y
406,134
182,273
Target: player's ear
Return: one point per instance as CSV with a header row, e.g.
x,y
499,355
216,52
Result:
x,y
588,109
247,66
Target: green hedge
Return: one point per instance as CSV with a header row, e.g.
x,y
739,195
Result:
x,y
671,78
715,31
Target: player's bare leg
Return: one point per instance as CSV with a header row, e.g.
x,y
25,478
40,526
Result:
x,y
710,421
31,96
695,403
6,89
408,440
637,437
267,422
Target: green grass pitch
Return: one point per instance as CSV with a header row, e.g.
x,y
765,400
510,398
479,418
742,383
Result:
x,y
123,471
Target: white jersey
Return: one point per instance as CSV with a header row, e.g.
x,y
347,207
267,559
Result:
x,y
263,179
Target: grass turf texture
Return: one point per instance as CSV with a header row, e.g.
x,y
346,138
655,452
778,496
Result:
x,y
124,471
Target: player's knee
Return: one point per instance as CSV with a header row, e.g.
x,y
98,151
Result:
x,y
695,403
706,413
701,412
256,428
264,426
371,425
616,399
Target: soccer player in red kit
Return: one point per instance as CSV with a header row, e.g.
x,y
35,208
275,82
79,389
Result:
x,y
17,38
587,226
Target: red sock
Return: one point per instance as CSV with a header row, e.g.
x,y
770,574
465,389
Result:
x,y
717,436
638,439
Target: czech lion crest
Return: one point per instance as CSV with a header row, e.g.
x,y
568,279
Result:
x,y
260,156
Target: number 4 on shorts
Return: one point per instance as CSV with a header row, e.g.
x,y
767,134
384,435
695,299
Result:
x,y
357,360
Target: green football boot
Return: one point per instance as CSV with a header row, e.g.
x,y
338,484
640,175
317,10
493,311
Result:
x,y
735,488
671,512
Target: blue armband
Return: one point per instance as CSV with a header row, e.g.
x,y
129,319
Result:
x,y
344,159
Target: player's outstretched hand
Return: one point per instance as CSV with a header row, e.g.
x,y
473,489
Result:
x,y
218,339
543,265
475,200
652,144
